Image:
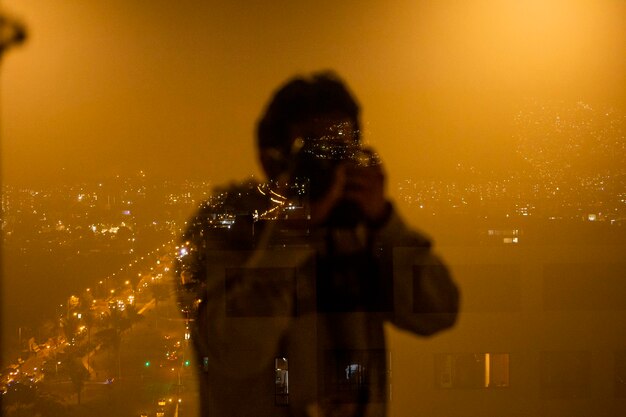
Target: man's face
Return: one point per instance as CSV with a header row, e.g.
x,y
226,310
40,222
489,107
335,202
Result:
x,y
328,131
346,182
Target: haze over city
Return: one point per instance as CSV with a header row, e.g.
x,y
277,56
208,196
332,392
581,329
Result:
x,y
501,126
176,89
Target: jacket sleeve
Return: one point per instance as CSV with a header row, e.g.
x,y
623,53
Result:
x,y
425,298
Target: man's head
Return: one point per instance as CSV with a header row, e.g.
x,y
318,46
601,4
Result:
x,y
319,106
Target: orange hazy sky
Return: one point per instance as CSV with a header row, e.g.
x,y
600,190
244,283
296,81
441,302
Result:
x,y
174,88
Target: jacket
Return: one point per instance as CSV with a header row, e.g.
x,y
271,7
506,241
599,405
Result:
x,y
287,319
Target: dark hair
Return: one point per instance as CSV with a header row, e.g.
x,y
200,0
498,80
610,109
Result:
x,y
299,100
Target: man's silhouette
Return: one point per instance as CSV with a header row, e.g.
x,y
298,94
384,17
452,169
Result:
x,y
288,283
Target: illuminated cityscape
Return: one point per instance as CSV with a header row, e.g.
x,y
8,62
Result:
x,y
102,254
112,243
500,127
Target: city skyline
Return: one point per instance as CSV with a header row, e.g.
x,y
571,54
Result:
x,y
122,217
126,229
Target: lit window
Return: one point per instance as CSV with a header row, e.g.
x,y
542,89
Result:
x,y
472,370
281,381
352,375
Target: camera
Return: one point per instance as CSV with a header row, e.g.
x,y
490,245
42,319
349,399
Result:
x,y
314,164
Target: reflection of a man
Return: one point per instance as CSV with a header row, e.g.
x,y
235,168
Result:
x,y
289,283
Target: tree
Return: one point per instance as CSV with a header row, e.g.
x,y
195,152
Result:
x,y
21,400
70,326
116,323
77,372
111,336
89,318
132,315
19,395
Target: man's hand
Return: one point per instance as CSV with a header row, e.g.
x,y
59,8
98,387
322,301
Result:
x,y
363,185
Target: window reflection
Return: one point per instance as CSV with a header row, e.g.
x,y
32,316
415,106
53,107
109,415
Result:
x,y
117,121
472,370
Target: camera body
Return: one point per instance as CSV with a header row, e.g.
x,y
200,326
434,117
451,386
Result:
x,y
315,163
